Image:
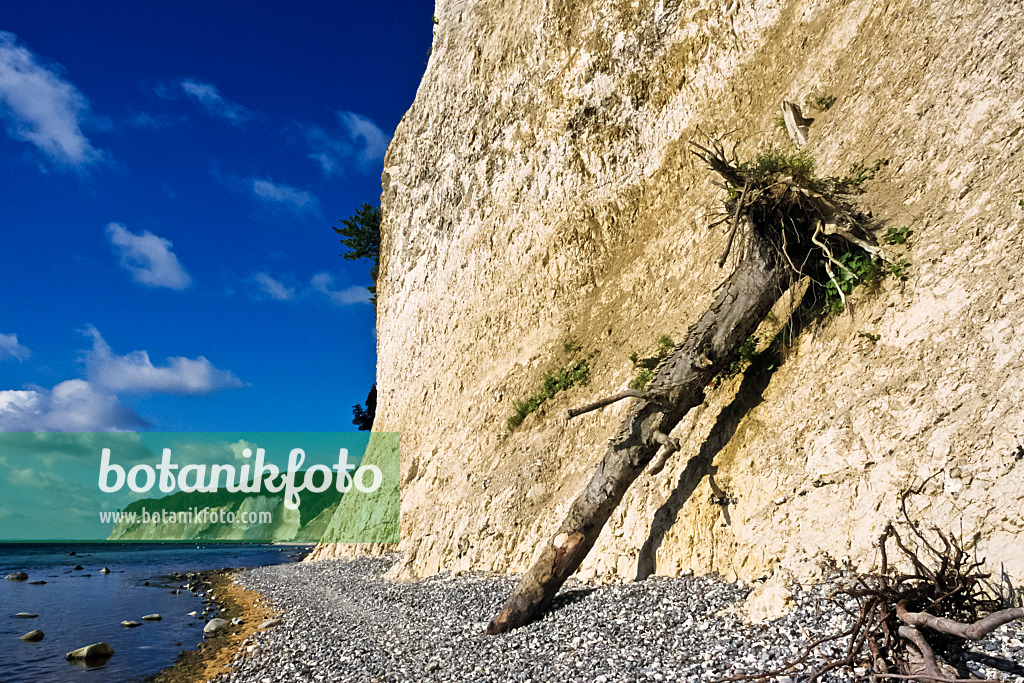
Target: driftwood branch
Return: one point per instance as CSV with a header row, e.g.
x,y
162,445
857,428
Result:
x,y
976,631
949,591
923,677
924,660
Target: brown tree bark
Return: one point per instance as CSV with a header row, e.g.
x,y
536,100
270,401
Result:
x,y
711,344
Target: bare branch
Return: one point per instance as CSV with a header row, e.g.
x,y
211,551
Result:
x,y
931,669
975,631
922,677
628,393
735,224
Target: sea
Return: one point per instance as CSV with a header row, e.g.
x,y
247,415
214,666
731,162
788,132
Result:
x,y
78,607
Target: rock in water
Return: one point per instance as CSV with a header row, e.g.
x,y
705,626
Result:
x,y
25,615
215,626
78,568
130,624
104,571
90,652
33,636
17,576
152,617
37,583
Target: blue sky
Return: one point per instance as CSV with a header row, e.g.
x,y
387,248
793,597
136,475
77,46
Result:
x,y
169,176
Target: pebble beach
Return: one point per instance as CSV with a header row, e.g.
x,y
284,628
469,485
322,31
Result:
x,y
343,621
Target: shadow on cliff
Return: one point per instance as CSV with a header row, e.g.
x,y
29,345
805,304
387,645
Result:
x,y
748,396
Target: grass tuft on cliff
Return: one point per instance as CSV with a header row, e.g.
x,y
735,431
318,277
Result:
x,y
647,365
553,382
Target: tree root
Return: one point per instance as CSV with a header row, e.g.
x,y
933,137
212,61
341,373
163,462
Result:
x,y
975,631
909,624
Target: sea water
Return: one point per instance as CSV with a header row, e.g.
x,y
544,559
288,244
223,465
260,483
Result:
x,y
76,610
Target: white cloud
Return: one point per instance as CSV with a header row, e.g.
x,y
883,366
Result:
x,y
357,141
10,348
273,288
324,283
299,201
71,406
135,372
39,107
148,258
209,98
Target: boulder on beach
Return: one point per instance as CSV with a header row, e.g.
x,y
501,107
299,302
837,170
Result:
x,y
152,617
237,621
32,636
130,624
215,626
270,623
17,576
25,615
90,652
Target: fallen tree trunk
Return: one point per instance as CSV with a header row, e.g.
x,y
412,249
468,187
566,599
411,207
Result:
x,y
793,225
711,344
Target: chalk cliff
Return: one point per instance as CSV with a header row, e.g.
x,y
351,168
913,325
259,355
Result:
x,y
540,190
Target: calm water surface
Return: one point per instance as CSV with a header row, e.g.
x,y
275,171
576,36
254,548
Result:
x,y
76,610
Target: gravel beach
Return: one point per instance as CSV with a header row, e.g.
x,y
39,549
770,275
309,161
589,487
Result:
x,y
344,622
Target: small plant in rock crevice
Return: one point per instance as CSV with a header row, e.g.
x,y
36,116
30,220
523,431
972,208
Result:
x,y
576,372
744,357
648,364
897,235
821,100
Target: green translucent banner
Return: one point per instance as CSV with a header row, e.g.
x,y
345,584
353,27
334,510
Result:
x,y
272,487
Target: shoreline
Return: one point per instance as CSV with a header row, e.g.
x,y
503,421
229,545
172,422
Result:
x,y
214,656
344,621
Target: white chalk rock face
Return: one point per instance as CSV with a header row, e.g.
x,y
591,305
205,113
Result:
x,y
540,190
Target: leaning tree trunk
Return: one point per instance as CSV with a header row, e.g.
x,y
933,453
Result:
x,y
711,344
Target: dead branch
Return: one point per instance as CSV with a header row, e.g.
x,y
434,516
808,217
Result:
x,y
628,393
908,624
976,631
925,656
732,229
